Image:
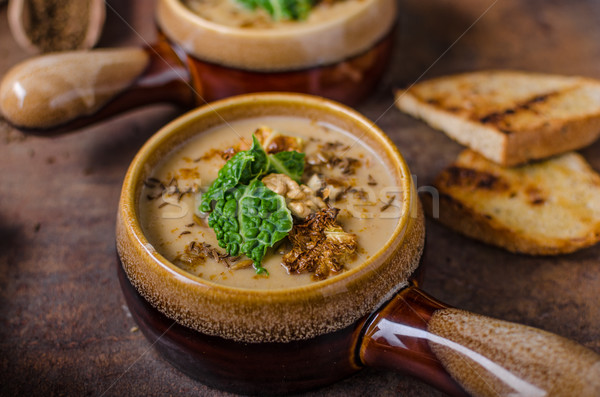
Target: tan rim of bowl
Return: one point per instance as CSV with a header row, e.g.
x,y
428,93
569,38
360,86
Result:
x,y
294,48
278,315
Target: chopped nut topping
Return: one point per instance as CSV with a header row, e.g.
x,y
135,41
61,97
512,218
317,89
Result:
x,y
195,254
325,158
242,264
274,141
300,199
159,189
225,154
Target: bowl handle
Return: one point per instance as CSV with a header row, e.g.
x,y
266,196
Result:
x,y
463,353
62,91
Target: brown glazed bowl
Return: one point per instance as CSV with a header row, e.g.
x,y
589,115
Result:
x,y
196,61
287,340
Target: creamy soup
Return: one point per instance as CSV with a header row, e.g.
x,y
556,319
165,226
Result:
x,y
232,13
368,196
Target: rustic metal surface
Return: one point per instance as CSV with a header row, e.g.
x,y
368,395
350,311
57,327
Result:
x,y
64,329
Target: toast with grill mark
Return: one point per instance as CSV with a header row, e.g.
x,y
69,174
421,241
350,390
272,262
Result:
x,y
544,208
509,117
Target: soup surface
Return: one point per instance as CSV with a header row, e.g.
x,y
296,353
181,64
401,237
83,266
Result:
x,y
232,13
361,186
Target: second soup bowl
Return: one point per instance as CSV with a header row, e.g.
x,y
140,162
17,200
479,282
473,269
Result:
x,y
340,51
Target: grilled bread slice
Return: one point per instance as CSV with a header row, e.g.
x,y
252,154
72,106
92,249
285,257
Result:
x,y
509,117
544,208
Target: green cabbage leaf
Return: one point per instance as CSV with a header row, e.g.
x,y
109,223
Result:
x,y
282,9
246,216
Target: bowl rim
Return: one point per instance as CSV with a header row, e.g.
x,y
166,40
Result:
x,y
129,209
296,47
190,16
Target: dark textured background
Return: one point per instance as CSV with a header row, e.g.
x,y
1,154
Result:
x,y
64,329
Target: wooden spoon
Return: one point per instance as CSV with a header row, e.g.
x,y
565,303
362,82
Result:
x,y
23,18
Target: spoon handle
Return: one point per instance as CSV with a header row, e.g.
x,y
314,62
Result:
x,y
63,91
463,353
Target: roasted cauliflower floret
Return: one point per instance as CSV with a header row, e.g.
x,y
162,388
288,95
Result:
x,y
319,245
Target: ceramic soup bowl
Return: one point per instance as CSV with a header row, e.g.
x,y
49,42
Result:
x,y
340,51
256,340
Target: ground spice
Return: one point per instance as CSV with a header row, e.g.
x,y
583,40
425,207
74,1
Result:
x,y
58,25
